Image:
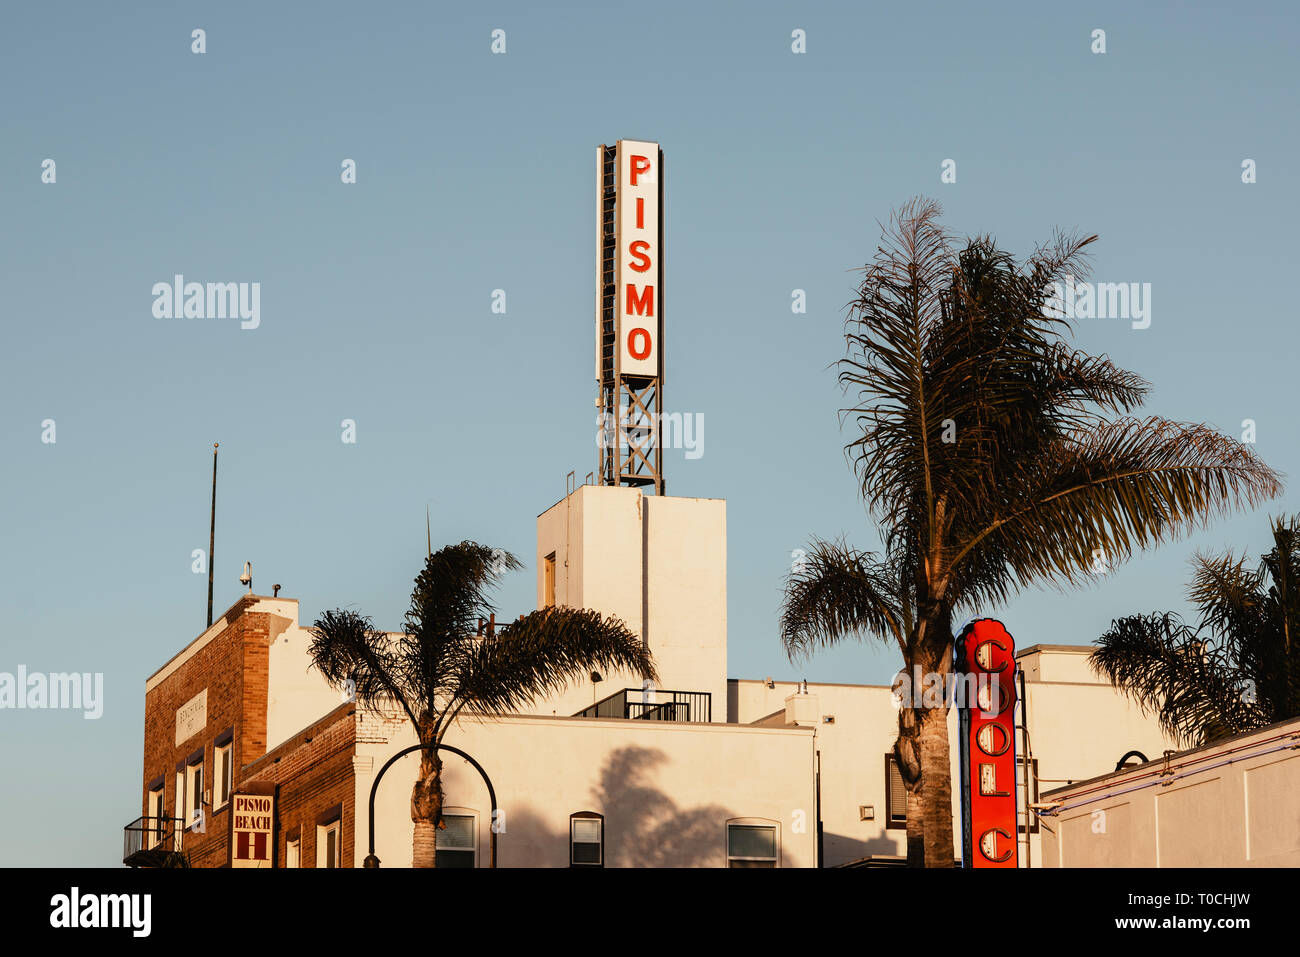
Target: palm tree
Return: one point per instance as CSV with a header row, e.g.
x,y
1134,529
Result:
x,y
995,457
1244,675
438,667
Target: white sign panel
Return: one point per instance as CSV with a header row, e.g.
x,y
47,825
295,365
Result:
x,y
637,301
192,717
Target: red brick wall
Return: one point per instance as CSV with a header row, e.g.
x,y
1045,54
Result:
x,y
233,667
313,772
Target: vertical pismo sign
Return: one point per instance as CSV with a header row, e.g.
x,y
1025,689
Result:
x,y
638,301
986,652
252,829
630,313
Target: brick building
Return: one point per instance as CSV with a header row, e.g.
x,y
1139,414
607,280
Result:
x,y
210,713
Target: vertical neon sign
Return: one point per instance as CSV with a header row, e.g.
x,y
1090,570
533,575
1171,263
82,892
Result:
x,y
986,654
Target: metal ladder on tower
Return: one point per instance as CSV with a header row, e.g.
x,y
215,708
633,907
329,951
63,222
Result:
x,y
605,344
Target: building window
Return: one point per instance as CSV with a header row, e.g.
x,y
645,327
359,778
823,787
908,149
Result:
x,y
155,827
548,581
752,843
194,792
180,794
222,772
293,852
895,795
586,839
458,841
328,844
329,837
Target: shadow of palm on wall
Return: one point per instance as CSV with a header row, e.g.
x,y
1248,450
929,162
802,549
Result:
x,y
644,826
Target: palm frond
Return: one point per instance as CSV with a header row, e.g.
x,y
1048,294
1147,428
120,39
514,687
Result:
x,y
1228,596
900,299
1278,661
1281,566
1193,689
1125,485
836,592
451,594
346,647
1066,254
1079,378
542,653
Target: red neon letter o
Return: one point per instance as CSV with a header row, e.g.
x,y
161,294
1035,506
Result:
x,y
982,739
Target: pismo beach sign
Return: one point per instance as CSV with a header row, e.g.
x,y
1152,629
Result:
x,y
252,829
988,746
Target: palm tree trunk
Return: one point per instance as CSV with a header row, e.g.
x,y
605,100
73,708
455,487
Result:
x,y
424,850
936,788
907,758
426,809
915,830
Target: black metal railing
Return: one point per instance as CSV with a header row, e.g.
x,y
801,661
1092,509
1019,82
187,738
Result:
x,y
655,704
149,838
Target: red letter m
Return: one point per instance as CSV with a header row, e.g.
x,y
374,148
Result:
x,y
643,305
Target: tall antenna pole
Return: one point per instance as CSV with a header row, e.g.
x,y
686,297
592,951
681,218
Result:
x,y
428,531
212,530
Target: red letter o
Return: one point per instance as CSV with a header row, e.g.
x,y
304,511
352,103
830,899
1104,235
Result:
x,y
631,343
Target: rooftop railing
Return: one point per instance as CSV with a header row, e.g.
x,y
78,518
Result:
x,y
655,704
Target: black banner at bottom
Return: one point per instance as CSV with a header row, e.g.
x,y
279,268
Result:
x,y
1040,907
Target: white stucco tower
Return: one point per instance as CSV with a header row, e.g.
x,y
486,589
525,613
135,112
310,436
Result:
x,y
660,564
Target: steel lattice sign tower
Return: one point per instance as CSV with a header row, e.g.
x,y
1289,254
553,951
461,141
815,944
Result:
x,y
630,313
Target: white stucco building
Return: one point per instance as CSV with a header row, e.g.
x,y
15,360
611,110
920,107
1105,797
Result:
x,y
1232,803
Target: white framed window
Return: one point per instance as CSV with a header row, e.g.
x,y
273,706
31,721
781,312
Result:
x,y
457,839
222,774
753,842
180,799
194,795
155,826
329,844
293,852
586,839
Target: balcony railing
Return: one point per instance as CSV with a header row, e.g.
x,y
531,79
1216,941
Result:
x,y
152,842
653,705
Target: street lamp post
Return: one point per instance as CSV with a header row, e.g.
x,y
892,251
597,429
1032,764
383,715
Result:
x,y
373,861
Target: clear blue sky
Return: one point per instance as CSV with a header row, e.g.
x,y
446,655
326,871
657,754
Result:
x,y
475,173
